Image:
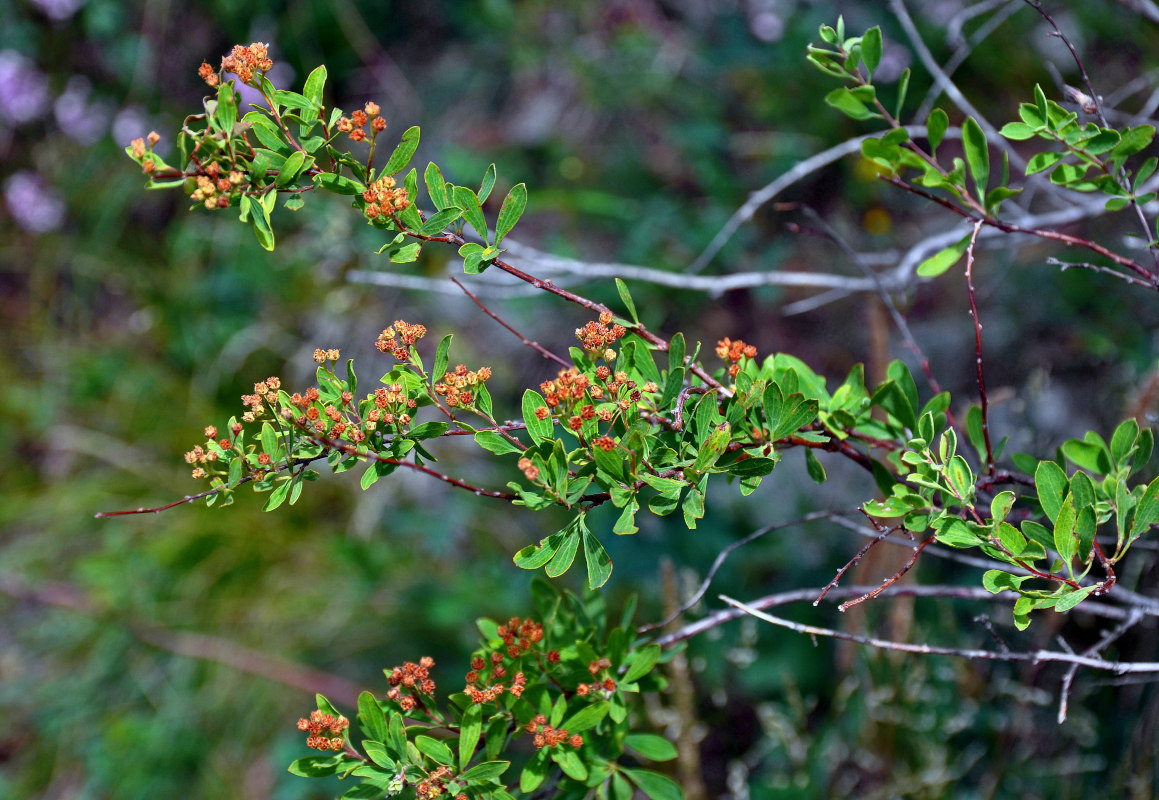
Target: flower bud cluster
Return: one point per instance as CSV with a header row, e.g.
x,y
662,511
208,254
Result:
x,y
144,152
384,199
460,385
409,680
215,188
547,736
434,785
485,681
733,351
597,336
320,724
399,338
353,125
245,62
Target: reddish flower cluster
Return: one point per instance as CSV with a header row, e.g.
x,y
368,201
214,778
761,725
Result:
x,y
318,725
266,391
530,471
215,189
139,151
457,385
406,336
566,390
242,61
434,785
411,677
353,125
391,405
597,336
518,635
733,352
547,736
384,199
321,356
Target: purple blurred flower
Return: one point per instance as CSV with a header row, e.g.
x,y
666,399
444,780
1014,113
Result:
x,y
58,10
23,88
32,203
80,120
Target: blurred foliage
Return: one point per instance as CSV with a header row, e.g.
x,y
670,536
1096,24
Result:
x,y
130,324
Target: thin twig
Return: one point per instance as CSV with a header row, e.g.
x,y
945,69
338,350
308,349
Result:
x,y
724,554
884,532
1105,641
893,578
1035,657
985,403
536,346
1095,101
806,595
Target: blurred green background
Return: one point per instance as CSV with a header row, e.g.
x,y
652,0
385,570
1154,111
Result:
x,y
170,655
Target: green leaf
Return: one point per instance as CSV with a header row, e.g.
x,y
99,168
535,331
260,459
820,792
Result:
x,y
1043,161
428,430
942,260
650,746
813,467
1072,599
561,561
1052,486
586,718
957,533
996,580
713,447
339,184
598,563
847,102
439,221
655,785
316,766
540,430
470,729
226,112
1147,511
487,185
535,556
486,771
1017,131
871,50
936,124
371,717
496,442
534,772
315,83
1064,530
642,665
403,152
261,221
626,524
511,211
292,168
436,186
472,210
626,299
277,496
434,749
1133,141
902,91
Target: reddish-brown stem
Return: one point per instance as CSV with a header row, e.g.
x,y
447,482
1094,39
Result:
x,y
978,346
1042,233
639,329
882,533
892,580
536,346
350,449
